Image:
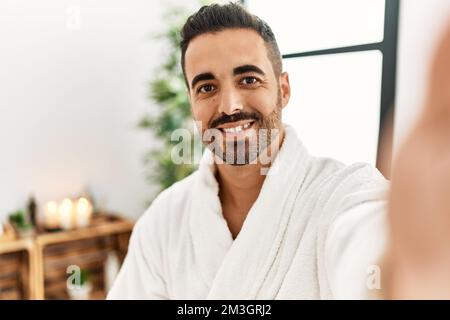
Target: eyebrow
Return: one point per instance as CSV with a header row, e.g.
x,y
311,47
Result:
x,y
202,77
247,68
236,71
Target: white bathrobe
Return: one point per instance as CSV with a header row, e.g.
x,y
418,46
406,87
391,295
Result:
x,y
316,231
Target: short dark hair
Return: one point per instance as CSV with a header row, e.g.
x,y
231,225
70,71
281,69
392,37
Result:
x,y
214,18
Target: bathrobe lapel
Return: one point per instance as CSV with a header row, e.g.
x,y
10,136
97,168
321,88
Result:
x,y
263,250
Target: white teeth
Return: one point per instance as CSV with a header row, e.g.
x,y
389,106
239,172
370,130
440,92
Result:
x,y
237,129
233,130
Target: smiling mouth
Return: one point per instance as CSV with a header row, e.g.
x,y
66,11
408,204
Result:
x,y
237,127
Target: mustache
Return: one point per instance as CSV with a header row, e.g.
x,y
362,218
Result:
x,y
235,117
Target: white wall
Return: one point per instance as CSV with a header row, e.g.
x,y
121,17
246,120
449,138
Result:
x,y
71,92
421,24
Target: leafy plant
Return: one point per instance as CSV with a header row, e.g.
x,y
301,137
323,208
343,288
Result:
x,y
84,278
168,91
18,218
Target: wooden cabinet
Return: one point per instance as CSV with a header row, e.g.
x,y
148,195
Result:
x,y
17,269
36,267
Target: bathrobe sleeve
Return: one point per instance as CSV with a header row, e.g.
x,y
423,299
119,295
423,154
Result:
x,y
353,250
140,276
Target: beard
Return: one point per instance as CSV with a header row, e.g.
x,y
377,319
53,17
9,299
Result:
x,y
251,148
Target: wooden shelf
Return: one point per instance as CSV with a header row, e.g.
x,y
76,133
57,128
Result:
x,y
44,257
16,245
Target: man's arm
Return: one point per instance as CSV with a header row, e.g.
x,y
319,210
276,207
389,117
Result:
x,y
355,244
140,276
418,253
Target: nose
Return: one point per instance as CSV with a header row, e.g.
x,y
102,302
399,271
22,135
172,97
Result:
x,y
230,101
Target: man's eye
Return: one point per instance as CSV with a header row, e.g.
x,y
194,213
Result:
x,y
206,88
249,80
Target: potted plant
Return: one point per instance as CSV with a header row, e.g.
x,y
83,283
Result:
x,y
79,287
20,223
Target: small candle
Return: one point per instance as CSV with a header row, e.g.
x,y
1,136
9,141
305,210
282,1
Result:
x,y
51,218
83,212
66,214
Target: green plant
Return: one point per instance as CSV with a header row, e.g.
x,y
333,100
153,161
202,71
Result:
x,y
168,91
18,218
84,277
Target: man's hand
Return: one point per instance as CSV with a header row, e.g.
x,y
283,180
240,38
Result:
x,y
418,256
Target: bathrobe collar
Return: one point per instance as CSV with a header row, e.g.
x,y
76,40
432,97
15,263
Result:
x,y
238,268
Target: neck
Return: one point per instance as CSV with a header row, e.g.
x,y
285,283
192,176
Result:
x,y
242,183
239,188
239,184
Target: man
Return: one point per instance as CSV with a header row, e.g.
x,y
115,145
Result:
x,y
260,218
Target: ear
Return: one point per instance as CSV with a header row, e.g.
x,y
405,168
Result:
x,y
285,88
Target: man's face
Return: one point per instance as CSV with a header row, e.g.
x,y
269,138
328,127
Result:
x,y
234,90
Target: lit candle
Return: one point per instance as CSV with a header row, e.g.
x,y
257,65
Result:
x,y
83,212
51,218
66,214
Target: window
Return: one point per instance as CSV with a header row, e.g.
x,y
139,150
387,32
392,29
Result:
x,y
341,58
